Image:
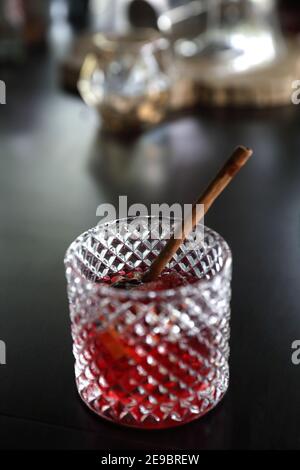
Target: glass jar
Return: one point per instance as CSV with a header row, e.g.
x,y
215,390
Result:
x,y
149,359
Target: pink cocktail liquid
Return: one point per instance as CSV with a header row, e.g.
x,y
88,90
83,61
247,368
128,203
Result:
x,y
147,376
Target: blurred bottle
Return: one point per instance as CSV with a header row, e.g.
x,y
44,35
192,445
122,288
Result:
x,y
23,23
109,15
36,16
290,15
11,30
79,13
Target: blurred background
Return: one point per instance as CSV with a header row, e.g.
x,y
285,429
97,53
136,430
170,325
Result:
x,y
136,97
138,89
147,99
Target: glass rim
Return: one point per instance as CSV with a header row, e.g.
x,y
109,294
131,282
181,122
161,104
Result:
x,y
182,291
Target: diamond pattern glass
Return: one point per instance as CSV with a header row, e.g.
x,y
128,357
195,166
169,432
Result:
x,y
143,358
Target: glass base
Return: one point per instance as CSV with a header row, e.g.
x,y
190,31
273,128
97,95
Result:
x,y
148,426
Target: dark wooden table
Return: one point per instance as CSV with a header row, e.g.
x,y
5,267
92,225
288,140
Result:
x,y
55,169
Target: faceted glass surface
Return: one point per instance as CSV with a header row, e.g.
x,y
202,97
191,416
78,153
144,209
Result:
x,y
143,358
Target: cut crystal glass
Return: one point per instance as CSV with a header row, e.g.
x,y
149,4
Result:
x,y
149,359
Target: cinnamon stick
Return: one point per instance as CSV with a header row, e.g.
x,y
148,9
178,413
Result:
x,y
233,165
